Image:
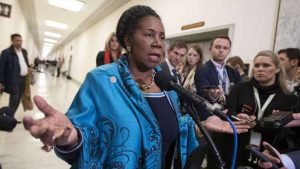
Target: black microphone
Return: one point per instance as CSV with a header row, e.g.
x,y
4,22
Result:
x,y
166,82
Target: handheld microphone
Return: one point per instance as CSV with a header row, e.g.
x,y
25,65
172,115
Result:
x,y
167,82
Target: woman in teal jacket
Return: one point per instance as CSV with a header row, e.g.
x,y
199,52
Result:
x,y
120,118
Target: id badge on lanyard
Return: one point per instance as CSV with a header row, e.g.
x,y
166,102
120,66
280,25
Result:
x,y
255,137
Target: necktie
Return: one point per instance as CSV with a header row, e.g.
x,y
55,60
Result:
x,y
223,80
177,76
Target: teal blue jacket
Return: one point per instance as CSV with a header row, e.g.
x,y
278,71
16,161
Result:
x,y
118,127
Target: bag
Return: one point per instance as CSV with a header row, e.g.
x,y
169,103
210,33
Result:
x,y
26,98
7,121
32,76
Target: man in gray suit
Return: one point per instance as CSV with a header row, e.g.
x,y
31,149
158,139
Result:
x,y
176,54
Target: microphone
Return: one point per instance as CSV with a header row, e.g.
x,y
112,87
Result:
x,y
167,82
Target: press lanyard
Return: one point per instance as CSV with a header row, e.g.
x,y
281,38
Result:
x,y
262,109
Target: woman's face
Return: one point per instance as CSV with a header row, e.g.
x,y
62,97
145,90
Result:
x,y
193,57
264,70
147,43
113,43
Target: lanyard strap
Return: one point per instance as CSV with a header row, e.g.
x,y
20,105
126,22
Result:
x,y
262,109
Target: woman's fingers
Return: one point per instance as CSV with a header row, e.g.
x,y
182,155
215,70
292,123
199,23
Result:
x,y
44,106
28,122
244,116
265,164
296,116
38,131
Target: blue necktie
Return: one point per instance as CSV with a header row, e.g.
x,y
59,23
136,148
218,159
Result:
x,y
176,75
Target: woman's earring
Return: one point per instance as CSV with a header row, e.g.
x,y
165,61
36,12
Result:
x,y
128,48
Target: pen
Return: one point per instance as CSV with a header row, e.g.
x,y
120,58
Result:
x,y
235,118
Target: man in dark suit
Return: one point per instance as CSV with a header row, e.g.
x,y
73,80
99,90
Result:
x,y
13,69
214,79
176,54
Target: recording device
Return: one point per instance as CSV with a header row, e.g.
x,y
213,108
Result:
x,y
166,82
274,153
276,120
255,151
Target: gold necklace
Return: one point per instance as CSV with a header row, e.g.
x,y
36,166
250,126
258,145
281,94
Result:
x,y
142,84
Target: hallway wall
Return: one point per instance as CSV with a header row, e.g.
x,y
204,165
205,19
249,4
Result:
x,y
254,27
16,24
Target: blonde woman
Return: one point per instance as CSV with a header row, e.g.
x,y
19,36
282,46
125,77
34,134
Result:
x,y
111,52
193,60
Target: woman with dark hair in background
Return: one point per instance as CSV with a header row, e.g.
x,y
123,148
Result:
x,y
111,52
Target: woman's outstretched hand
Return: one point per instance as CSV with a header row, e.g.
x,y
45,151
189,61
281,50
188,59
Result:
x,y
215,124
54,129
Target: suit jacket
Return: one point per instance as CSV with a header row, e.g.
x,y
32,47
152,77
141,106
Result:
x,y
295,156
207,75
100,58
164,67
10,69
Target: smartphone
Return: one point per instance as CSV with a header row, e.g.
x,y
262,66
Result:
x,y
255,151
274,153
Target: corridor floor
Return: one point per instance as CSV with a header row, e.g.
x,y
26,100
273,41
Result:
x,y
18,149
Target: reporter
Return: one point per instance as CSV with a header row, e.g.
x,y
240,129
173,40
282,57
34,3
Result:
x,y
257,98
112,51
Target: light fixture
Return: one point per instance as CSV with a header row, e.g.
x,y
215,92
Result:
x,y
48,44
71,5
50,40
52,34
56,24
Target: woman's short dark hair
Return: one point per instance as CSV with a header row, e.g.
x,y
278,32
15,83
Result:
x,y
129,20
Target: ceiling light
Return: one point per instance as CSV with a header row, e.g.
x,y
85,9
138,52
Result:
x,y
71,5
50,40
52,34
56,24
48,44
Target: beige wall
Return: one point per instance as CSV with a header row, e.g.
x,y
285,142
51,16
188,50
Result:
x,y
16,24
254,26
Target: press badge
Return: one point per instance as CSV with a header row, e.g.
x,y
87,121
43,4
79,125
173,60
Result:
x,y
255,138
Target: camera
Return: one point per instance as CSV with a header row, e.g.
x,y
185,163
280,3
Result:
x,y
276,120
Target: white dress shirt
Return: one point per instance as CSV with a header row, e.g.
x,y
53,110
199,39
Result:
x,y
22,63
287,162
171,67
